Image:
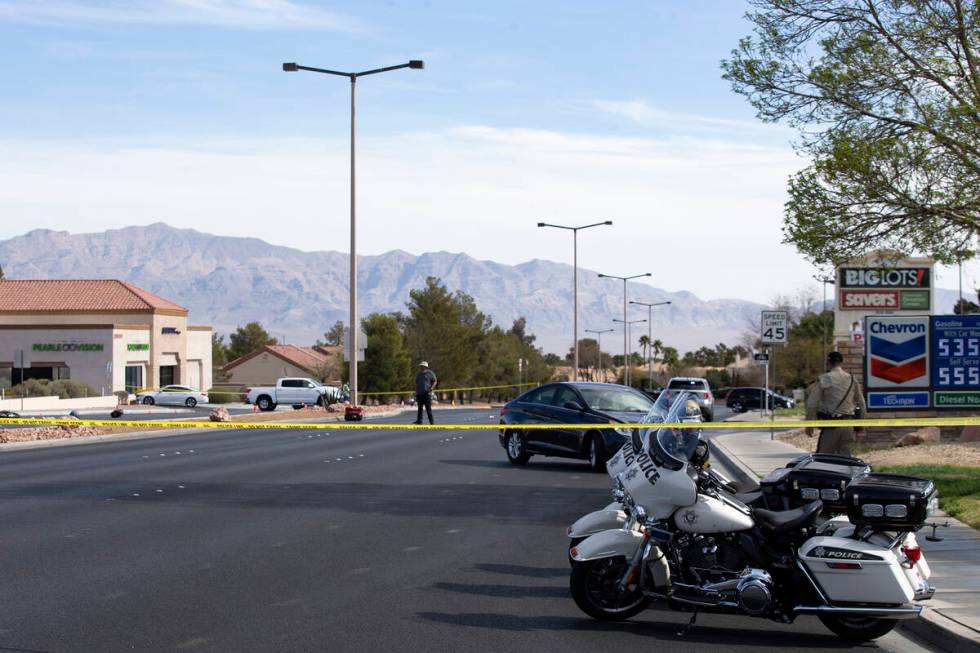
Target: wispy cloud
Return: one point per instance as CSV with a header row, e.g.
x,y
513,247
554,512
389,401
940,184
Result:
x,y
648,115
232,14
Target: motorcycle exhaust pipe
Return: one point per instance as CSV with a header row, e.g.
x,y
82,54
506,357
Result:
x,y
885,613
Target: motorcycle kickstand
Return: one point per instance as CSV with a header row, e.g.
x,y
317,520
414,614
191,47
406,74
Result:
x,y
690,625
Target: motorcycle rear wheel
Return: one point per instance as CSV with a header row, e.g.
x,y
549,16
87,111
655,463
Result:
x,y
594,586
858,629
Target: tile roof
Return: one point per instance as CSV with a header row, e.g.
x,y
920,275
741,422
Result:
x,y
78,295
307,358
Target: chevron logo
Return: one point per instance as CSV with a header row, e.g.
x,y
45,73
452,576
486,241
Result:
x,y
898,352
898,373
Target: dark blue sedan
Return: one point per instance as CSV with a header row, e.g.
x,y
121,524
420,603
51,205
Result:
x,y
571,403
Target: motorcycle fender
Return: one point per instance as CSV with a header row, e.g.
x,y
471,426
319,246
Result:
x,y
596,522
608,544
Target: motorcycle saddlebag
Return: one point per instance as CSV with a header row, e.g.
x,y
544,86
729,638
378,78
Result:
x,y
890,502
809,480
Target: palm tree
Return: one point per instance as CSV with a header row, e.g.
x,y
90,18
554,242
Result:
x,y
658,348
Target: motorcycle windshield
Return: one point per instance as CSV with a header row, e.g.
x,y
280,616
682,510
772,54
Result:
x,y
675,446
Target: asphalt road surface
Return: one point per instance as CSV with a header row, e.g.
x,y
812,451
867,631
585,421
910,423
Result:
x,y
291,540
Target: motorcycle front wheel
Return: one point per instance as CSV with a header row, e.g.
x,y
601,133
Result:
x,y
858,629
595,588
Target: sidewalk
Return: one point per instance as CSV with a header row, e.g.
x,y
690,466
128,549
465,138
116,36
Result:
x,y
951,619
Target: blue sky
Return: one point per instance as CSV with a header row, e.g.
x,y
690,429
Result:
x,y
118,113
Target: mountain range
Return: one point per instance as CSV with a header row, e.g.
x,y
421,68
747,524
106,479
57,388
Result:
x,y
228,281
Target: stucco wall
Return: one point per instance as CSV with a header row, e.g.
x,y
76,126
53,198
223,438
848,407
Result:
x,y
263,369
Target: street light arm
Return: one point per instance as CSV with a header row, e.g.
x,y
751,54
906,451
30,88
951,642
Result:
x,y
415,63
292,67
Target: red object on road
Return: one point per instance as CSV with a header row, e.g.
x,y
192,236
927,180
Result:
x,y
353,413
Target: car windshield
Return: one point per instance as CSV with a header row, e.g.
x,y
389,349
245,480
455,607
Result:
x,y
687,384
615,399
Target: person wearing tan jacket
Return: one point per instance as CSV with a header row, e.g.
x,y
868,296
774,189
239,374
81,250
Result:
x,y
835,395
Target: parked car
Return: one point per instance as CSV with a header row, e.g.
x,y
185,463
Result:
x,y
701,391
175,395
743,399
571,403
292,392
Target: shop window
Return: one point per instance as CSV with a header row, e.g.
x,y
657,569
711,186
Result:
x,y
134,378
167,374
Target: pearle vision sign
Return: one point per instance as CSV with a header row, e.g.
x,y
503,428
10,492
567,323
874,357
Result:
x,y
68,346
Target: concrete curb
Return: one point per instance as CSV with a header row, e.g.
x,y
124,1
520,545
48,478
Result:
x,y
940,631
742,473
932,627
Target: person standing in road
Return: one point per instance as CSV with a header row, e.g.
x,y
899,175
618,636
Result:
x,y
835,395
425,383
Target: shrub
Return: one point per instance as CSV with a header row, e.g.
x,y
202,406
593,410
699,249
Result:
x,y
62,388
226,395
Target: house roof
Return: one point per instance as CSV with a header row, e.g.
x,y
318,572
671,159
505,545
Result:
x,y
79,296
306,358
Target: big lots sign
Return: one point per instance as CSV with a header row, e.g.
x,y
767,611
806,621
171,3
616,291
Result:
x,y
889,289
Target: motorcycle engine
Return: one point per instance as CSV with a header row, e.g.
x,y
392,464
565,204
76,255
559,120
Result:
x,y
706,557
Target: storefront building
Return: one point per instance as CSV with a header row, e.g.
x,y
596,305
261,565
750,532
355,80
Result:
x,y
108,334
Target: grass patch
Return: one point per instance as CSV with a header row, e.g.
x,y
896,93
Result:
x,y
797,411
959,488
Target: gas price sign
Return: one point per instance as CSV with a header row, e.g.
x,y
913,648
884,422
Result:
x,y
956,360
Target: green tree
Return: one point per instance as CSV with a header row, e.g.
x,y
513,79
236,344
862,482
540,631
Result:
x,y
387,364
334,336
219,356
445,329
886,95
247,339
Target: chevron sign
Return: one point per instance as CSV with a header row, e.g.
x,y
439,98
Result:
x,y
898,352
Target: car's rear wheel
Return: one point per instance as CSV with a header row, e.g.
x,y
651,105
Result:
x,y
265,403
516,447
597,453
148,401
191,402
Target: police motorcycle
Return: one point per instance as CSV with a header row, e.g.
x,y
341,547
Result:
x,y
617,514
690,543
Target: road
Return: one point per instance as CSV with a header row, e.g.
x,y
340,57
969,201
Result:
x,y
292,540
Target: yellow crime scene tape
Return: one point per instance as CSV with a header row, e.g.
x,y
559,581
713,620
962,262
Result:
x,y
177,424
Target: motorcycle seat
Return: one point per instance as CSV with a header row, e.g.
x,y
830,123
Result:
x,y
780,522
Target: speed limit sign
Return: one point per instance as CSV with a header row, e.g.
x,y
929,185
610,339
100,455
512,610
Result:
x,y
775,327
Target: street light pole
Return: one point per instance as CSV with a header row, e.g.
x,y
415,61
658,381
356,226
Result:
x,y
823,337
353,326
598,339
575,231
626,369
627,377
649,332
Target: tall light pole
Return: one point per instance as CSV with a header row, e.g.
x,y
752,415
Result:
x,y
598,339
353,326
626,362
625,334
575,231
823,337
649,332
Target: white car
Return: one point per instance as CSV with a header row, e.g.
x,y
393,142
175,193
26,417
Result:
x,y
174,395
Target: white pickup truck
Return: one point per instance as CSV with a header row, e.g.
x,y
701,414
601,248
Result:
x,y
292,392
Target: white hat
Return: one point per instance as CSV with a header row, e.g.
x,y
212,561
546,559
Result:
x,y
424,364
